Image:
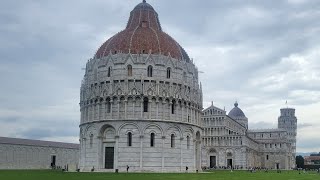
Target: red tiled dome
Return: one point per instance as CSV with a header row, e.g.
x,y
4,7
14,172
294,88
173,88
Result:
x,y
142,35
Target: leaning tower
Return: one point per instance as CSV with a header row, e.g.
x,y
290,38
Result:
x,y
288,121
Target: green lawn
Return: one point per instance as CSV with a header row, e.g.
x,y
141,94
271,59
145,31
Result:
x,y
215,175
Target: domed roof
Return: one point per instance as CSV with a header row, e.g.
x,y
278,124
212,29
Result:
x,y
236,112
142,35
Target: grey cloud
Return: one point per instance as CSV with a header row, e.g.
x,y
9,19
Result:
x,y
304,125
261,125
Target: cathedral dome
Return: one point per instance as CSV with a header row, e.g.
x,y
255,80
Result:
x,y
143,35
236,112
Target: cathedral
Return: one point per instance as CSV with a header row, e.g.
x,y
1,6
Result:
x,y
141,108
227,142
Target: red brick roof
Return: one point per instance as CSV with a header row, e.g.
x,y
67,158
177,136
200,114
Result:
x,y
142,35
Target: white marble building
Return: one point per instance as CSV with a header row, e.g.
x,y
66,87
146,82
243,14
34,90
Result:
x,y
35,154
227,141
140,102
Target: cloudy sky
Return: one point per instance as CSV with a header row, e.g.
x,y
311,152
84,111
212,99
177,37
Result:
x,y
260,53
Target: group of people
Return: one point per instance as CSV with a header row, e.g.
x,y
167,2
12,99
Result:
x,y
54,167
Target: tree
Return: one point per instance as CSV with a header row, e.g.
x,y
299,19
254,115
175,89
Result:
x,y
300,161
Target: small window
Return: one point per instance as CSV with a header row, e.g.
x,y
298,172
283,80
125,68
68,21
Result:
x,y
188,118
91,140
188,142
270,134
109,71
149,71
145,105
152,140
168,73
172,140
129,139
267,157
129,67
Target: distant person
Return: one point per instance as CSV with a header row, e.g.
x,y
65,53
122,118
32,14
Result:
x,y
187,168
127,168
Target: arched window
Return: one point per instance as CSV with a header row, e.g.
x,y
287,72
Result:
x,y
91,140
168,72
149,71
145,104
129,67
172,106
152,140
184,76
108,106
109,71
172,140
188,118
129,139
188,142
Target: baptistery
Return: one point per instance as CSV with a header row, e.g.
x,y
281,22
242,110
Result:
x,y
140,102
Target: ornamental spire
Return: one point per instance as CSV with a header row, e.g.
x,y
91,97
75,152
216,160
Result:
x,y
144,1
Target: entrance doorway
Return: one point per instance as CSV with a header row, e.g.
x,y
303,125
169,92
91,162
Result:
x,y
277,166
212,161
53,161
229,162
109,158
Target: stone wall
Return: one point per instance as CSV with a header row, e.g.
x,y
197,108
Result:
x,y
14,156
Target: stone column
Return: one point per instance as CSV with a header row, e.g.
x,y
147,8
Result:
x,y
157,104
141,152
149,107
105,110
125,108
162,153
181,158
195,153
116,152
99,152
170,110
182,111
119,101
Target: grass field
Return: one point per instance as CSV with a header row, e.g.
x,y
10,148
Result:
x,y
216,175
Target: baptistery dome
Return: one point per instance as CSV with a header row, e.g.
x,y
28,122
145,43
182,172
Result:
x,y
143,35
140,102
